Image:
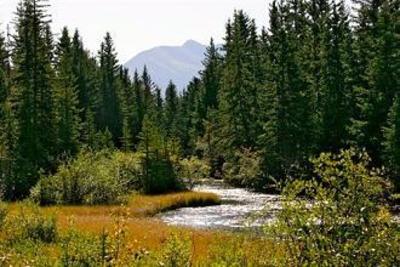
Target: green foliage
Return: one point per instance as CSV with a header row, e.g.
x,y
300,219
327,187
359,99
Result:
x,y
66,98
228,253
192,170
109,109
33,95
245,170
338,219
176,251
159,176
3,214
392,141
30,224
91,178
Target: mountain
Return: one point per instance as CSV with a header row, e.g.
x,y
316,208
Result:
x,y
177,63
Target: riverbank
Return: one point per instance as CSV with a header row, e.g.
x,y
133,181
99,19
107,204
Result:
x,y
133,227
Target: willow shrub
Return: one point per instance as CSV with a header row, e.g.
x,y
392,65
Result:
x,y
244,169
192,170
91,178
29,223
339,218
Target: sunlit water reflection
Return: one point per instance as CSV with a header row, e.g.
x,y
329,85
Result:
x,y
240,208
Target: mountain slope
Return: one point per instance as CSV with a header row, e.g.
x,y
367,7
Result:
x,y
165,63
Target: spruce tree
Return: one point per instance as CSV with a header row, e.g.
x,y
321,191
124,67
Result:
x,y
170,110
337,86
5,159
377,40
127,107
211,76
139,111
67,111
109,107
148,92
33,94
391,142
238,94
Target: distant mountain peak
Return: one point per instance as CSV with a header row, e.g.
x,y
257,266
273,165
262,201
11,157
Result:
x,y
164,63
192,43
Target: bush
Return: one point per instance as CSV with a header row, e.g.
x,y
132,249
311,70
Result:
x,y
176,251
159,176
244,170
339,218
192,170
30,224
106,178
3,213
92,178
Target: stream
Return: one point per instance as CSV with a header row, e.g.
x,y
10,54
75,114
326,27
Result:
x,y
240,208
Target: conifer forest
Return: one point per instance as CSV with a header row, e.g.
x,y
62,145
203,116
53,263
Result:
x,y
305,110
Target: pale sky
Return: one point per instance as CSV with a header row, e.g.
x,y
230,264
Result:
x,y
138,25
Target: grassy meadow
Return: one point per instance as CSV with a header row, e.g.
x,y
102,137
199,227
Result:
x,y
141,237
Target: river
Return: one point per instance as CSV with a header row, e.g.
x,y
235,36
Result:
x,y
240,208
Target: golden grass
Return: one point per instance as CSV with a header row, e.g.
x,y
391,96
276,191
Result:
x,y
143,230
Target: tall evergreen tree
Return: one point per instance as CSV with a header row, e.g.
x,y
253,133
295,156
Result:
x,y
238,94
139,111
67,111
148,92
33,94
211,76
170,110
391,142
377,40
4,93
337,86
109,109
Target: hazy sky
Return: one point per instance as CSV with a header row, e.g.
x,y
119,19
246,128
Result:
x,y
137,25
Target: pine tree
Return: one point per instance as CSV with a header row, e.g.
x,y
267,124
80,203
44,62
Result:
x,y
336,77
238,94
378,41
190,117
33,95
170,111
127,107
4,75
391,142
66,98
5,149
139,106
84,69
109,109
211,76
148,88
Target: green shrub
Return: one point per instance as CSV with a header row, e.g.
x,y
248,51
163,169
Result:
x,y
244,169
176,252
227,253
192,170
30,224
106,178
78,249
159,176
3,213
92,178
338,219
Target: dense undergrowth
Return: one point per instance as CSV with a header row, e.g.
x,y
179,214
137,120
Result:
x,y
339,218
107,177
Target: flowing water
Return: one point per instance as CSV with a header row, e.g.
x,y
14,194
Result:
x,y
240,208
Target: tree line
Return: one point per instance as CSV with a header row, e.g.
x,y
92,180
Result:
x,y
322,76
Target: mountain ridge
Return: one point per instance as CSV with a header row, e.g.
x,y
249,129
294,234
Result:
x,y
164,63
